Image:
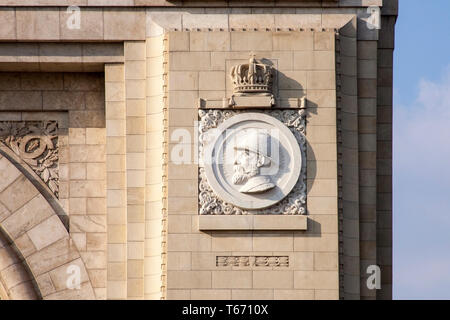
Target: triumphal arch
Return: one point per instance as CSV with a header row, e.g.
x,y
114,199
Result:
x,y
221,149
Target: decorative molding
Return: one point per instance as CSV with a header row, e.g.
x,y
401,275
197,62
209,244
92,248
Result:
x,y
36,143
282,103
293,204
272,261
252,222
164,167
242,261
256,261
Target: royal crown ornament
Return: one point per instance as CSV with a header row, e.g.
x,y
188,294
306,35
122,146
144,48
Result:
x,y
253,77
252,83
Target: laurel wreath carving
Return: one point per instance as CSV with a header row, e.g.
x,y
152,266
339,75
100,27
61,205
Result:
x,y
36,143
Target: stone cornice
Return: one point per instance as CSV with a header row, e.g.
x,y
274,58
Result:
x,y
193,3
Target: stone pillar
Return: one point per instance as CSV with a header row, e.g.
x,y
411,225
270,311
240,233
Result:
x,y
384,151
155,199
135,73
348,102
367,87
116,181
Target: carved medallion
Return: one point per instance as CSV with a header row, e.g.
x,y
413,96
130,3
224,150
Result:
x,y
252,162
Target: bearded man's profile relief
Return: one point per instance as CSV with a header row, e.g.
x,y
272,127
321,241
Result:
x,y
249,158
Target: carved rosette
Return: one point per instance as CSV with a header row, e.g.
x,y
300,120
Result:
x,y
36,143
293,204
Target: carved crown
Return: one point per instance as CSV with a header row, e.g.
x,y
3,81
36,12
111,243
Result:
x,y
252,77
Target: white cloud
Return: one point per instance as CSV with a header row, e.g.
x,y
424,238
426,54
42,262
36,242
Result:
x,y
422,132
422,192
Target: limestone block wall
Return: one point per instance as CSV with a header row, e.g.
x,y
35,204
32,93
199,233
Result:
x,y
199,66
76,102
87,178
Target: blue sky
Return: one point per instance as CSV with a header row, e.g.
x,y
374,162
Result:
x,y
422,150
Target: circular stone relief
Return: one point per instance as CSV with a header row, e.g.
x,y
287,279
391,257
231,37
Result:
x,y
252,161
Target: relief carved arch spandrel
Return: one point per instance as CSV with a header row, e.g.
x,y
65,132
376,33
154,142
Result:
x,y
33,177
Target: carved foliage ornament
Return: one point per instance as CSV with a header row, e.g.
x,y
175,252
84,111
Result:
x,y
223,191
36,144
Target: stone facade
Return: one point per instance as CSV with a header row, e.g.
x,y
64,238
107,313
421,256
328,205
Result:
x,y
94,200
